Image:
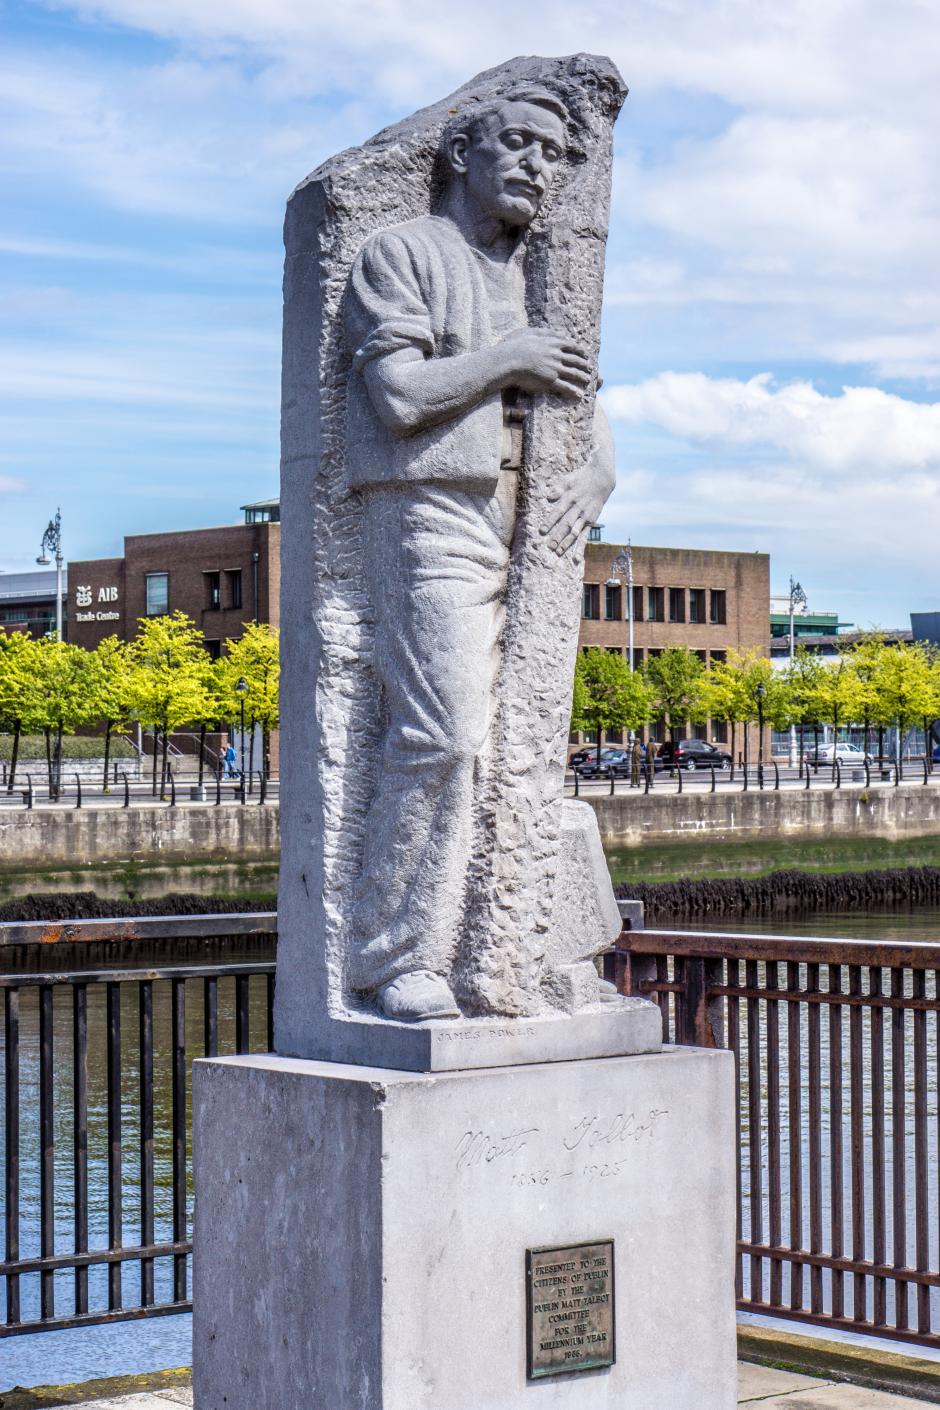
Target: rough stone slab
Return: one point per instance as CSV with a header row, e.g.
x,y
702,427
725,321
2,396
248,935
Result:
x,y
361,1245
614,1030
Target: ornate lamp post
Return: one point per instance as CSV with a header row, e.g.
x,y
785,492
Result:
x,y
761,692
52,543
797,598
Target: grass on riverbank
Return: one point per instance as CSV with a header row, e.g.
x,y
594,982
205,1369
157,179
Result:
x,y
74,746
703,860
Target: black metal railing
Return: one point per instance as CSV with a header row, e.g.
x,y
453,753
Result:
x,y
97,1114
837,1046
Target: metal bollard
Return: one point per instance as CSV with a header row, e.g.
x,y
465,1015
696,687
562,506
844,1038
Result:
x,y
262,788
838,774
576,780
926,772
28,792
169,769
897,773
712,767
679,777
243,797
649,775
776,776
809,775
612,780
127,791
78,790
744,775
760,777
867,773
218,787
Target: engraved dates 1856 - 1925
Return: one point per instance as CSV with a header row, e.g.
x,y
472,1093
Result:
x,y
570,1309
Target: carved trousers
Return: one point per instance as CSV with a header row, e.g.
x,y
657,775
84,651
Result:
x,y
437,564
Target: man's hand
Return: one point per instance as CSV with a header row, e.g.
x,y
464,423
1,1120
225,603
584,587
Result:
x,y
541,360
583,492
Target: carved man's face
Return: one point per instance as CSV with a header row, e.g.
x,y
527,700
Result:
x,y
511,161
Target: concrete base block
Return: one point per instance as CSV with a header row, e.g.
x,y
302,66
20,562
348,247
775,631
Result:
x,y
361,1233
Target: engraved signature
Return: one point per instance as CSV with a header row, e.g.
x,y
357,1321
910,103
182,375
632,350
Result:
x,y
480,1147
593,1131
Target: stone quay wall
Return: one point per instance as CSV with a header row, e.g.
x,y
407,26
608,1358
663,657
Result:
x,y
197,833
632,821
144,833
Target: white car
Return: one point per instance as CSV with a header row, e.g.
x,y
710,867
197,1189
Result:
x,y
845,753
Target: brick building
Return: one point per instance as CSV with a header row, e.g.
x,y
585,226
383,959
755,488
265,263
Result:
x,y
697,598
221,577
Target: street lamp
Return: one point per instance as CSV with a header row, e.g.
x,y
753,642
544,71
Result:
x,y
52,541
241,686
797,598
761,692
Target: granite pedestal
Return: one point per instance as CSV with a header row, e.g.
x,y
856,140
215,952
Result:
x,y
361,1233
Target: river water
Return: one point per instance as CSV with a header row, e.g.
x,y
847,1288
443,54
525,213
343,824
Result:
x,y
85,1353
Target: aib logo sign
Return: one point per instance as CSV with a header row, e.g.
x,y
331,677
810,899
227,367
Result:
x,y
83,596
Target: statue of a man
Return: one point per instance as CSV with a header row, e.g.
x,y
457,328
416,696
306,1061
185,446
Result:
x,y
443,361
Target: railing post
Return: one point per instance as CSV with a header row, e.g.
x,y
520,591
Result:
x,y
679,777
612,780
218,786
263,787
127,791
809,775
28,795
744,776
867,773
649,776
699,1018
838,774
776,776
169,769
78,790
577,780
926,773
760,777
712,767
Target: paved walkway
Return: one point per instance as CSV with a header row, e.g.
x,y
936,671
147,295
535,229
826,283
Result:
x,y
770,1390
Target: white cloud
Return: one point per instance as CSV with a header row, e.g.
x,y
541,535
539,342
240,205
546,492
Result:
x,y
862,429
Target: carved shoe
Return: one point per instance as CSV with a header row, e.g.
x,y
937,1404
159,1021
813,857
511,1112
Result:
x,y
416,996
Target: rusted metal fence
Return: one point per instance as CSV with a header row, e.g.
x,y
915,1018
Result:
x,y
96,1059
836,1045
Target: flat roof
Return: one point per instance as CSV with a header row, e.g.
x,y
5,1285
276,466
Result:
x,y
30,586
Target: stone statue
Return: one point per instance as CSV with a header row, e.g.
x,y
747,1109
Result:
x,y
443,458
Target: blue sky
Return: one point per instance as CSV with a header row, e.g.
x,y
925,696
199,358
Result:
x,y
774,241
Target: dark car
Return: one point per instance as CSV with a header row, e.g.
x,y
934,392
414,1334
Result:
x,y
613,761
585,755
692,754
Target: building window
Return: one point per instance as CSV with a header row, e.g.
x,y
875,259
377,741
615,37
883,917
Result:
x,y
638,658
158,594
703,657
654,651
721,731
234,587
615,650
590,736
719,610
657,731
699,732
719,656
656,605
638,604
614,736
612,596
213,649
696,604
591,608
594,533
213,591
677,604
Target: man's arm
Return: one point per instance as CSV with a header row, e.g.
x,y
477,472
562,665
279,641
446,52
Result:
x,y
412,392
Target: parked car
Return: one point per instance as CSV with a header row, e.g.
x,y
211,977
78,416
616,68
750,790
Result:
x,y
692,754
845,753
585,754
613,761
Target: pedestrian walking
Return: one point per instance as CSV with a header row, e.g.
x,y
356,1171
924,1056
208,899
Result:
x,y
636,762
652,749
228,758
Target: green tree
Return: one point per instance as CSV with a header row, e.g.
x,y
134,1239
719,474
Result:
x,y
841,697
167,680
744,689
805,693
65,699
677,680
607,694
20,697
254,658
108,677
905,685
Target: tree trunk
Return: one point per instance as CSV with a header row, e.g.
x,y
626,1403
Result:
x,y
747,745
266,749
48,734
107,755
734,740
202,752
153,785
163,758
15,756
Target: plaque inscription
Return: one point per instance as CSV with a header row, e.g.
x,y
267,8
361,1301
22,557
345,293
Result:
x,y
569,1309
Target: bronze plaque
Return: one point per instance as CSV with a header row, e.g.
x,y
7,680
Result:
x,y
569,1308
